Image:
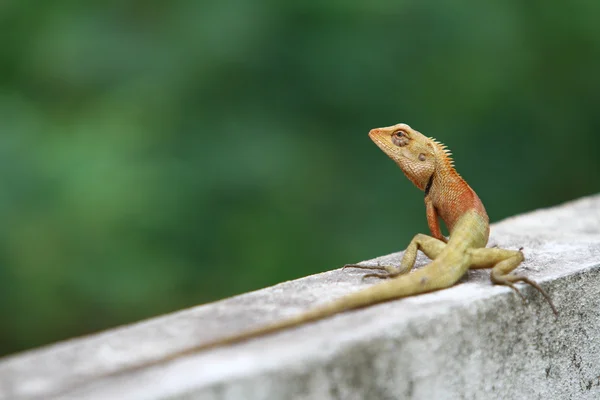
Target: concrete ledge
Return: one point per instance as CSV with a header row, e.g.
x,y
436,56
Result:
x,y
471,341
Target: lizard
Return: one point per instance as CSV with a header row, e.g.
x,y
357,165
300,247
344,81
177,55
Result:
x,y
428,164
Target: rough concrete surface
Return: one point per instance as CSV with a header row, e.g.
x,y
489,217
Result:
x,y
472,341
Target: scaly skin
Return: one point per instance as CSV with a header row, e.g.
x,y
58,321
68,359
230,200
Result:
x,y
428,165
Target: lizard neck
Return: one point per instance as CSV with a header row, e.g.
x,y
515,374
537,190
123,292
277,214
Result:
x,y
450,194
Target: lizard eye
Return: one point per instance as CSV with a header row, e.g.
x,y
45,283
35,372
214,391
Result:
x,y
400,138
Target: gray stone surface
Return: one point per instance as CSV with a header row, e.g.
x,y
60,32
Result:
x,y
472,341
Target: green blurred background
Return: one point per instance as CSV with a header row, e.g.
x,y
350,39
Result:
x,y
157,155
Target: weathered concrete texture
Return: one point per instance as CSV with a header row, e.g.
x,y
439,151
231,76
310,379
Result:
x,y
473,341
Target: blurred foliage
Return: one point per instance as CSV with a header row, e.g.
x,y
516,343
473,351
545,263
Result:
x,y
157,155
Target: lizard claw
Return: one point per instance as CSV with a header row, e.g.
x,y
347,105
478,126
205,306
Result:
x,y
542,291
513,287
380,276
386,275
378,267
511,279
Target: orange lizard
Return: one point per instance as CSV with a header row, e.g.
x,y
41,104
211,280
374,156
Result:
x,y
427,164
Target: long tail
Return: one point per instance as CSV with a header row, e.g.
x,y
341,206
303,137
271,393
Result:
x,y
436,275
426,279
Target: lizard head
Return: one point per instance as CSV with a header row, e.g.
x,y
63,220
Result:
x,y
413,152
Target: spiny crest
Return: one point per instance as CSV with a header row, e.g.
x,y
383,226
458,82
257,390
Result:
x,y
445,150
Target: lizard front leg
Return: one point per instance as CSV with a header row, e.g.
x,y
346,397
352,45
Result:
x,y
503,262
430,246
433,220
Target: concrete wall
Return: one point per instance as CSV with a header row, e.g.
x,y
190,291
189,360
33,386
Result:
x,y
472,341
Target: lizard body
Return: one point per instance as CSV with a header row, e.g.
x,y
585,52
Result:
x,y
429,166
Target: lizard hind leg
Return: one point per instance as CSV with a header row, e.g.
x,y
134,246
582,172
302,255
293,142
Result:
x,y
430,246
503,262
